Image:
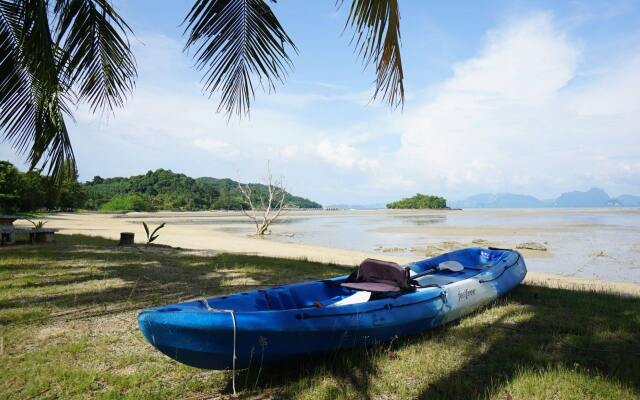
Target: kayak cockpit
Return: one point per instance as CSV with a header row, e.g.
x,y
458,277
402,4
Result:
x,y
295,296
325,293
474,261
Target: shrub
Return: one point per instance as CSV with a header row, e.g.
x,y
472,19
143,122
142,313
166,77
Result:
x,y
128,202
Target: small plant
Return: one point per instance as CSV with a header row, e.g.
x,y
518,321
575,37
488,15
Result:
x,y
152,236
37,224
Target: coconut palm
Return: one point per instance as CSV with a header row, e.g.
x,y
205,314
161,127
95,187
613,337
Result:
x,y
56,54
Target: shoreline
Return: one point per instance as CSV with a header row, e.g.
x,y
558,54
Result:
x,y
198,237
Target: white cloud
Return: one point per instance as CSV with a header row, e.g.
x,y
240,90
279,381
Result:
x,y
290,151
526,61
512,119
217,148
344,155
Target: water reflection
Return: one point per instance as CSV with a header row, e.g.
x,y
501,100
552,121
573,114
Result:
x,y
421,220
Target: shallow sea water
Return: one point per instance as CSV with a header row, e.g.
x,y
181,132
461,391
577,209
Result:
x,y
602,243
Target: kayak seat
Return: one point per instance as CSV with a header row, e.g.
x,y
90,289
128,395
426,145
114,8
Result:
x,y
306,295
279,298
379,276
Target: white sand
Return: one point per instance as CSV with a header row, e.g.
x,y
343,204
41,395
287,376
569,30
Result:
x,y
199,237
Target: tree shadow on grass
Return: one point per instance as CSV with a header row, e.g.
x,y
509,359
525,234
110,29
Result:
x,y
76,276
592,333
352,369
533,329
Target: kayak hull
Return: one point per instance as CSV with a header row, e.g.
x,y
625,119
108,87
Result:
x,y
287,325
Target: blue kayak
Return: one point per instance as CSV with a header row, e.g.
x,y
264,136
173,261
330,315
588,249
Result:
x,y
271,325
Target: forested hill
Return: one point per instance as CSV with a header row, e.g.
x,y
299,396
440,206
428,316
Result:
x,y
166,190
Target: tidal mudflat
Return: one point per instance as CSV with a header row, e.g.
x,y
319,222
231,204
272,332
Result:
x,y
598,243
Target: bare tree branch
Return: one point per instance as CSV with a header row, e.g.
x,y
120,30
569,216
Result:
x,y
271,209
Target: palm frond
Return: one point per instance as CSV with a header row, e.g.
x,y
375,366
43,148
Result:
x,y
95,51
38,74
33,94
51,147
376,25
17,108
235,42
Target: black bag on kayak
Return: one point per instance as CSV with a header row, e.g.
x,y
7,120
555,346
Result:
x,y
379,276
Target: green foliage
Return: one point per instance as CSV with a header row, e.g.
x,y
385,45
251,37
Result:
x,y
32,191
420,201
165,190
156,190
151,236
9,184
68,194
128,202
160,189
38,224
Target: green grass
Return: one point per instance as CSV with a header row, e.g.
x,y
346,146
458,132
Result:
x,y
68,330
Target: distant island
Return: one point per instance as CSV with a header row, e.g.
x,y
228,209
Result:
x,y
161,189
419,201
594,197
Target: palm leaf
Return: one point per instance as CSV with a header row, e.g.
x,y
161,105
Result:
x,y
376,25
157,229
96,51
17,116
51,147
237,41
146,228
38,74
36,92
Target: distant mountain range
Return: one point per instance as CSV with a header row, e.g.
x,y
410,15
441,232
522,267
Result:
x,y
591,198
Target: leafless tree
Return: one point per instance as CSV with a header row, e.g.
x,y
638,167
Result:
x,y
268,210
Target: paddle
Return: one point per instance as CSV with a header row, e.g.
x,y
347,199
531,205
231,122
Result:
x,y
453,266
358,297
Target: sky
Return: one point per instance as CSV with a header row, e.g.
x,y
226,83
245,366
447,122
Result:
x,y
504,96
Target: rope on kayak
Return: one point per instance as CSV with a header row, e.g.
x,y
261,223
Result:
x,y
233,368
235,329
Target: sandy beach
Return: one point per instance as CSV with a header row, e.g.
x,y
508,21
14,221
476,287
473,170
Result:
x,y
189,230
